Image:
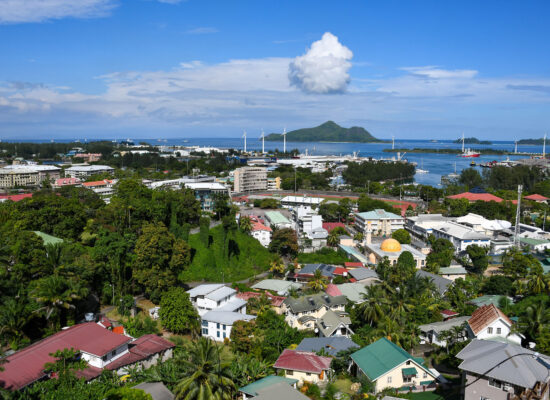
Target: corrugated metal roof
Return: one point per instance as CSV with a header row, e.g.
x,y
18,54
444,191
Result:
x,y
252,388
226,317
331,345
302,361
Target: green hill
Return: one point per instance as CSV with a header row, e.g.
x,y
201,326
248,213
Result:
x,y
472,140
531,141
327,132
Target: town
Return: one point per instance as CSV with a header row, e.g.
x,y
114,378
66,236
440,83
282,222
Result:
x,y
150,271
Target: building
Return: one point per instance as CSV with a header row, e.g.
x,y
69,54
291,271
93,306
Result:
x,y
206,192
441,284
275,219
274,183
303,312
85,171
303,366
331,346
278,391
278,286
482,225
61,182
535,245
305,201
333,324
472,197
389,366
250,179
11,178
354,292
461,236
45,172
88,157
422,225
503,371
453,272
261,233
434,333
219,308
102,184
378,222
364,276
488,322
392,249
276,301
157,390
536,198
254,389
101,348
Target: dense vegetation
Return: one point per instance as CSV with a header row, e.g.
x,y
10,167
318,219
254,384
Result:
x,y
472,140
327,132
359,174
301,178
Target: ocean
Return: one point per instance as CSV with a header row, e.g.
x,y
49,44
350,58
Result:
x,y
436,164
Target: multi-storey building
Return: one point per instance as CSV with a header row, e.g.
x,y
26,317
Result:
x,y
379,222
10,178
85,171
249,179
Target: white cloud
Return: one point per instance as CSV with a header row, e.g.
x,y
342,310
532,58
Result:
x,y
323,68
203,30
19,11
439,73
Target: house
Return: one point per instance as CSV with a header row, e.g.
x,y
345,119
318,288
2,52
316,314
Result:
x,y
295,201
99,347
503,371
303,366
480,224
535,245
392,249
453,272
488,299
354,292
331,346
537,198
389,366
302,312
157,390
461,236
261,233
206,193
333,324
488,322
61,182
422,225
433,333
275,219
330,226
441,284
253,389
378,222
278,286
473,197
276,301
279,391
364,276
308,271
353,253
217,325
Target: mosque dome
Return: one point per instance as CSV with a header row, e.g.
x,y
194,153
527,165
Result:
x,y
390,245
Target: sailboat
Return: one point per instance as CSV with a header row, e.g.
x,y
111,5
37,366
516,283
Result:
x,y
453,175
421,170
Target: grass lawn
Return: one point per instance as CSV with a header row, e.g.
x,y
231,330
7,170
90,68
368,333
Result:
x,y
451,395
212,263
343,385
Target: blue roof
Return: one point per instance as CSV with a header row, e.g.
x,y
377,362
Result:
x,y
332,345
326,270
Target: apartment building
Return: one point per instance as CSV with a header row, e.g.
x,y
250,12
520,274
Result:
x,y
249,179
85,171
10,178
379,222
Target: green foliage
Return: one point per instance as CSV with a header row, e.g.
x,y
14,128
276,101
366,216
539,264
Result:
x,y
498,284
501,177
478,256
303,178
359,174
140,325
470,178
366,203
336,212
125,305
126,393
441,254
517,265
247,257
402,236
267,203
177,314
284,242
324,255
326,132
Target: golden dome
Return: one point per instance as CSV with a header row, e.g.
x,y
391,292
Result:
x,y
390,245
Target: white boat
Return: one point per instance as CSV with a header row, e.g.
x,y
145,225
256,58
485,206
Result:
x,y
421,170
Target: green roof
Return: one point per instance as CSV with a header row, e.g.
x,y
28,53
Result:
x,y
275,217
379,358
486,300
253,388
531,241
426,382
409,371
48,239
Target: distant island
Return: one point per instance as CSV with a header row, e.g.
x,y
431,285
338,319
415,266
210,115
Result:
x,y
531,141
472,140
327,132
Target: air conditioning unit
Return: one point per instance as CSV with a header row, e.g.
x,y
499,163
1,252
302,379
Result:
x,y
507,388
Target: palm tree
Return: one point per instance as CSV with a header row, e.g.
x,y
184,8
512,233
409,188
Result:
x,y
537,317
333,239
359,236
14,315
373,308
53,256
245,223
207,375
277,267
536,284
318,283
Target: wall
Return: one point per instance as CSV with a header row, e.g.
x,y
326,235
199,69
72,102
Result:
x,y
303,376
475,389
98,362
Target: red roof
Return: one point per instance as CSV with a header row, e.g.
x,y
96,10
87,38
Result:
x,y
66,181
536,197
449,313
16,197
329,226
339,271
302,361
332,290
26,366
353,264
258,226
476,197
485,316
141,349
104,182
119,330
276,301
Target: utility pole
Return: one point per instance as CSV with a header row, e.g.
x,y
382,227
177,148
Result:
x,y
516,229
284,140
393,142
544,146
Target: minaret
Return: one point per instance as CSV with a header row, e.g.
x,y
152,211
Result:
x,y
263,141
393,142
544,146
516,148
284,140
244,137
463,142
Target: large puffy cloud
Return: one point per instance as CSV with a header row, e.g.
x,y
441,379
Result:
x,y
323,68
19,11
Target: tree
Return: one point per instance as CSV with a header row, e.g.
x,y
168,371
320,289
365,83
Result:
x,y
204,233
318,282
177,314
245,223
242,336
284,242
159,258
333,239
471,178
277,266
441,254
402,236
478,256
498,284
406,265
65,365
126,393
517,265
208,375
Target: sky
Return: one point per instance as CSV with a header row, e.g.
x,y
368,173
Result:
x,y
202,68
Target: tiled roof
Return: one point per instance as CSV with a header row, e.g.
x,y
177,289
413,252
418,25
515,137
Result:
x,y
141,349
485,316
258,226
476,197
97,183
536,197
66,181
302,361
332,290
353,264
276,301
27,365
16,197
329,226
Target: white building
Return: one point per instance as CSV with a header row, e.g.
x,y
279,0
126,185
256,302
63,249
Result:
x,y
219,308
277,220
461,236
249,179
433,333
483,225
45,172
85,171
380,222
295,201
422,225
488,322
261,233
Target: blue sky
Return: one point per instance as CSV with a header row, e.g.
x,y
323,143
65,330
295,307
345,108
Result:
x,y
152,68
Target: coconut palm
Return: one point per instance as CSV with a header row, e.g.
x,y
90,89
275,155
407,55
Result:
x,y
245,223
208,376
374,307
537,316
536,284
318,283
333,239
277,267
14,315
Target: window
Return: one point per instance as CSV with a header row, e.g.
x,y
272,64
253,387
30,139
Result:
x,y
484,398
499,331
495,383
289,372
407,379
205,323
308,374
490,330
113,353
224,335
224,327
408,362
425,375
389,379
218,325
205,331
218,334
